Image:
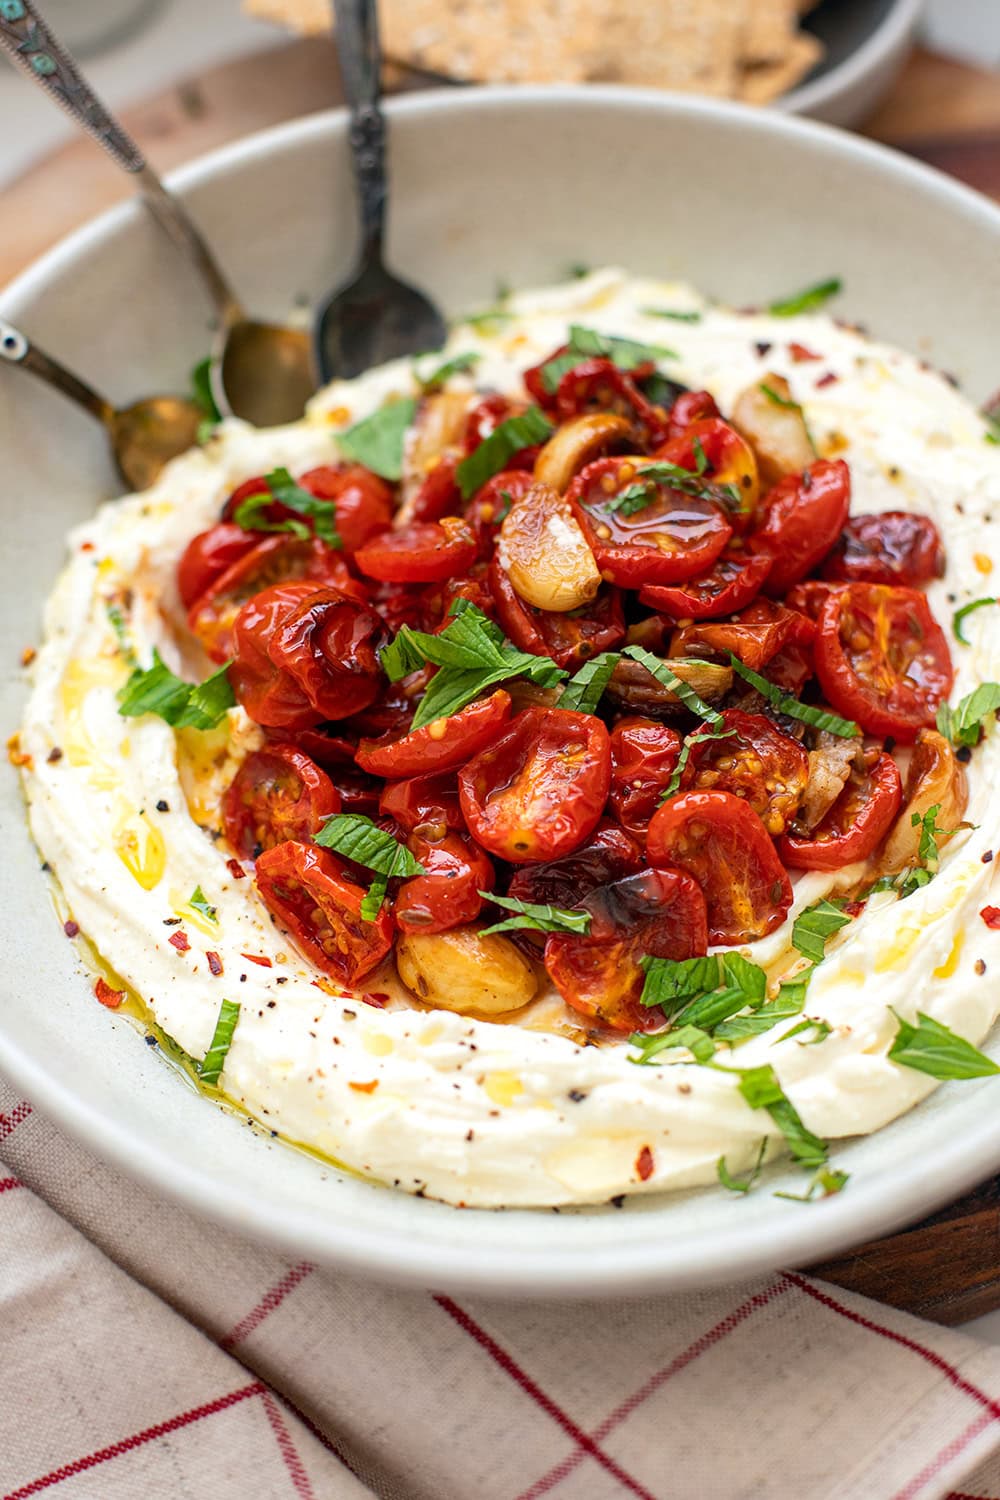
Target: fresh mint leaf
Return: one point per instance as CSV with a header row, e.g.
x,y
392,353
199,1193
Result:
x,y
371,903
251,514
378,441
183,705
672,980
210,1069
585,688
813,927
933,1048
667,678
819,718
280,487
698,1043
201,395
744,1181
965,724
828,1180
198,903
532,917
808,300
495,452
586,343
761,1090
359,839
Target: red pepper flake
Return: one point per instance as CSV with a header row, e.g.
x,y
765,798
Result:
x,y
364,1088
71,928
644,1164
801,353
828,379
853,908
179,940
214,962
28,655
54,756
107,996
235,869
86,546
991,916
377,998
257,958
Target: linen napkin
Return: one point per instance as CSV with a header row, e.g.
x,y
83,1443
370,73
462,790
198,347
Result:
x,y
147,1353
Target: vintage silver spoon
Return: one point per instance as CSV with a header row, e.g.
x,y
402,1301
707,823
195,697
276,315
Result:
x,y
260,371
144,436
375,316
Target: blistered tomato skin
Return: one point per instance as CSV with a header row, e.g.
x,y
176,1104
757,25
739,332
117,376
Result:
x,y
720,841
363,502
644,755
428,802
755,634
734,581
309,893
892,547
441,745
802,518
278,793
725,458
855,825
208,555
608,855
539,790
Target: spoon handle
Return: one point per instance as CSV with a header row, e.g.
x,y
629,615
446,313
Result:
x,y
17,349
356,35
34,49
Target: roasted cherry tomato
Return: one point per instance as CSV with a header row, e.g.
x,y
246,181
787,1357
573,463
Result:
x,y
277,794
722,456
729,585
755,634
303,654
893,547
855,825
491,504
308,891
882,658
658,913
754,761
723,844
473,586
534,380
644,756
426,553
448,894
439,494
439,746
208,555
609,855
538,791
358,793
598,385
690,407
570,638
276,559
666,538
362,500
803,517
324,748
809,596
425,803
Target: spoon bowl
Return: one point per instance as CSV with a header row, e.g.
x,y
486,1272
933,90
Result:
x,y
245,350
148,434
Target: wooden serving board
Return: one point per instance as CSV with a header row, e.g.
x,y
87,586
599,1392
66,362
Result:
x,y
948,1267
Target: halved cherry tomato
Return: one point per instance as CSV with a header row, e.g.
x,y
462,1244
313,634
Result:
x,y
733,582
308,891
856,823
671,538
448,894
363,501
424,802
472,586
660,913
439,494
809,596
690,407
208,555
723,844
803,517
644,756
277,794
730,461
608,855
755,761
882,658
538,791
894,547
491,504
791,668
303,654
439,746
571,638
275,560
598,385
426,553
755,634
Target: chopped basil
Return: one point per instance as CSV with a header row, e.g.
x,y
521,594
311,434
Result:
x,y
932,1048
586,687
821,1028
819,718
183,705
813,928
744,1181
587,343
687,481
634,498
787,1003
359,839
928,852
201,395
117,622
690,740
488,321
964,724
761,1090
371,905
778,400
649,1047
807,300
251,514
959,616
674,684
828,1180
495,452
459,364
280,487
674,314
534,918
198,903
378,441
904,883
669,980
210,1069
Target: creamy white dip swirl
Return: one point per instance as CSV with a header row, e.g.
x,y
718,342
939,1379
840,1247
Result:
x,y
466,1110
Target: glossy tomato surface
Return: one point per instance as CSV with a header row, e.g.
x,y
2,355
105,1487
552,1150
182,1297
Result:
x,y
644,756
856,823
447,895
718,453
802,518
363,503
749,757
608,855
570,637
426,552
441,745
538,791
734,580
308,891
427,802
598,385
278,793
754,634
208,555
892,547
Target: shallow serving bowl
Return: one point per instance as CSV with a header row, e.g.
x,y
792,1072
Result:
x,y
490,185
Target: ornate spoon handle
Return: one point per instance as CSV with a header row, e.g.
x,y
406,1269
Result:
x,y
356,35
34,49
17,349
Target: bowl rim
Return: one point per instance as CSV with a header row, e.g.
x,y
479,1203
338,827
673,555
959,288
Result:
x,y
401,1258
891,33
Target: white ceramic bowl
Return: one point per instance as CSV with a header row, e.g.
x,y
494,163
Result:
x,y
511,185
